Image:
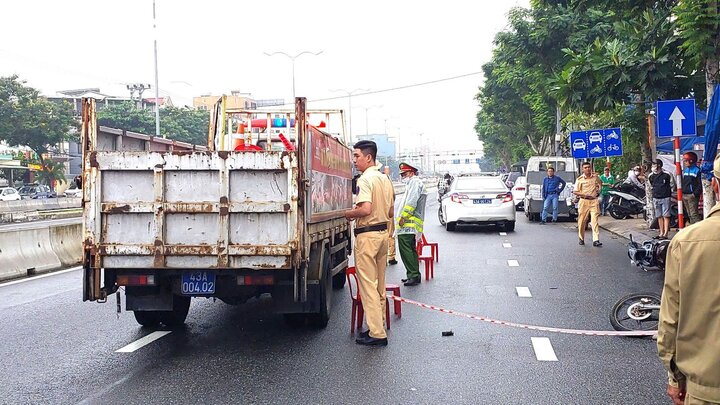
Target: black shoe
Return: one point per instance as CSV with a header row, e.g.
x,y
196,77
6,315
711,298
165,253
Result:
x,y
371,341
364,334
581,243
412,282
404,280
554,221
597,243
657,237
392,261
543,222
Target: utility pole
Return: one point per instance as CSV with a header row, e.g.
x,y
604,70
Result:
x,y
157,86
139,88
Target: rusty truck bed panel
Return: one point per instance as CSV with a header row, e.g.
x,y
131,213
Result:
x,y
192,209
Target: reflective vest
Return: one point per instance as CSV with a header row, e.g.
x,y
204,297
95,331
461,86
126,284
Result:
x,y
412,208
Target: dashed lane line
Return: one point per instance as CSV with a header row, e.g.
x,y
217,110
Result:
x,y
507,245
54,273
143,341
543,349
513,263
523,292
503,233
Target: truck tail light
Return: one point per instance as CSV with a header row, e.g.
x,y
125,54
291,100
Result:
x,y
520,188
507,197
136,279
458,197
256,280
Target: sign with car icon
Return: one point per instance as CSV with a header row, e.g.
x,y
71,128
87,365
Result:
x,y
596,143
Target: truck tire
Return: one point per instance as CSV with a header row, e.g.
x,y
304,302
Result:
x,y
176,317
147,318
294,320
338,281
321,319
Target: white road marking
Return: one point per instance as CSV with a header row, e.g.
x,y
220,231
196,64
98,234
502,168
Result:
x,y
543,349
507,245
523,292
513,263
143,341
503,233
40,276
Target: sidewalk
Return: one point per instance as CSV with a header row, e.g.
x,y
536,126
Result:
x,y
624,227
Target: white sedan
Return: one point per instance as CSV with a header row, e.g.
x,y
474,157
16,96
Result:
x,y
478,199
9,194
519,191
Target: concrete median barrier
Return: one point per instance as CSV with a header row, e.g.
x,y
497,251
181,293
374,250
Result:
x,y
41,250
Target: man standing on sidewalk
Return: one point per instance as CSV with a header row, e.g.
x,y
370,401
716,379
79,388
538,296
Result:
x,y
410,222
661,183
691,187
373,209
607,180
689,324
552,186
587,188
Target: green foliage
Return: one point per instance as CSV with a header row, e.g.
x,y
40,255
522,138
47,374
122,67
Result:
x,y
28,119
698,24
181,124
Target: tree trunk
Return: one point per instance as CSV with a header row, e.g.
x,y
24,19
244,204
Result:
x,y
712,67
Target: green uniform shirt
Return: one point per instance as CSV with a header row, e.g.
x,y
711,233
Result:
x,y
606,179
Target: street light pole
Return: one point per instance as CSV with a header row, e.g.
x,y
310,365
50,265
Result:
x,y
292,58
349,94
367,130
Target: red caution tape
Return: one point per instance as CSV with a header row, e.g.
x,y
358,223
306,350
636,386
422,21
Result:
x,y
522,326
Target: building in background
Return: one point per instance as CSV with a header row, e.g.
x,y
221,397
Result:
x,y
236,99
453,162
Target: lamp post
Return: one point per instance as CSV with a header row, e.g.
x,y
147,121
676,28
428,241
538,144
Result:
x,y
367,131
349,94
292,58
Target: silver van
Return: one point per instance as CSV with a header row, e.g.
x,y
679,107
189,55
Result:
x,y
536,171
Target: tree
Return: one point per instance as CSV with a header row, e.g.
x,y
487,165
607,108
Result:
x,y
698,23
28,119
181,124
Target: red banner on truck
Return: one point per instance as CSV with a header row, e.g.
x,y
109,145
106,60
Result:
x,y
331,184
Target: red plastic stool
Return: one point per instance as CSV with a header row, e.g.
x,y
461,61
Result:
x,y
429,266
357,314
397,305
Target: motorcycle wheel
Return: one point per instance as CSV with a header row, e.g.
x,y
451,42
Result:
x,y
626,316
614,212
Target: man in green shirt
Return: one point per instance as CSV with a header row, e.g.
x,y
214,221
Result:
x,y
607,181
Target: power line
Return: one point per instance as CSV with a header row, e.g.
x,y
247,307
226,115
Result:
x,y
399,87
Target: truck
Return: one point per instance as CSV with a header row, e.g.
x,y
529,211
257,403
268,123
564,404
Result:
x,y
536,171
256,212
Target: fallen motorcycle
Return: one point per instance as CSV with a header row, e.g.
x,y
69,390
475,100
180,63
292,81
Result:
x,y
641,311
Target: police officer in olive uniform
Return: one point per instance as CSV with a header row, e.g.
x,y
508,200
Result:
x,y
372,212
410,222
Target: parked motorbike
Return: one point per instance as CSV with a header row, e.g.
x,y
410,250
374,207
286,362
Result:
x,y
626,200
641,311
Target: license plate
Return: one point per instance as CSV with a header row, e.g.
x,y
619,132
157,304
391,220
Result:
x,y
482,201
198,282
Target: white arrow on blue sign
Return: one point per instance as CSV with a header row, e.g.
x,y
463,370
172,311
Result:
x,y
676,118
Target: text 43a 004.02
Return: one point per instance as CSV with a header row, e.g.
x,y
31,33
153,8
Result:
x,y
198,282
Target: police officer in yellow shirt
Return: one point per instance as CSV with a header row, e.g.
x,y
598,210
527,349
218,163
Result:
x,y
587,188
372,212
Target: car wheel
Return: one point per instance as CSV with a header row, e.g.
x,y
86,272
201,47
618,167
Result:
x,y
509,226
440,216
450,226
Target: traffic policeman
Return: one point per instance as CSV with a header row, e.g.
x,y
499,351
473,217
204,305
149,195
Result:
x,y
410,222
587,188
372,212
689,323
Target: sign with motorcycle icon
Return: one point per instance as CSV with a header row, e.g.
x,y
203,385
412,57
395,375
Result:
x,y
596,143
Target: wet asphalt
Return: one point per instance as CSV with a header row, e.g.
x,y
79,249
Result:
x,y
57,349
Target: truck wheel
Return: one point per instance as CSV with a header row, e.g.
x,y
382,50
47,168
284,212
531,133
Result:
x,y
176,317
338,281
147,318
321,319
294,320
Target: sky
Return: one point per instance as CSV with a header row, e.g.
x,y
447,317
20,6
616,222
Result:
x,y
215,46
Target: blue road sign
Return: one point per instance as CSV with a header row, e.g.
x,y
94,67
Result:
x,y
676,118
596,143
612,138
579,144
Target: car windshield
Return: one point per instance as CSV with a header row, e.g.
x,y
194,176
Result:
x,y
478,183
